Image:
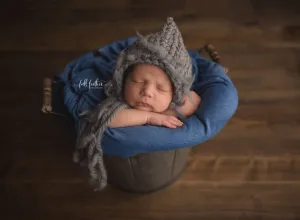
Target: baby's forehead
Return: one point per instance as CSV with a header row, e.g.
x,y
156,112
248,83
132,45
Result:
x,y
146,66
148,70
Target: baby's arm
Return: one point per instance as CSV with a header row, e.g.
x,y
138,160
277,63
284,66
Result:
x,y
134,117
129,117
188,108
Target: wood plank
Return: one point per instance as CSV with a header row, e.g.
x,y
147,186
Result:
x,y
269,95
276,11
199,199
66,4
243,66
263,160
250,132
50,132
222,9
260,58
248,146
53,151
33,16
285,131
249,11
234,168
249,170
158,4
71,11
249,120
269,79
35,66
145,215
86,36
253,114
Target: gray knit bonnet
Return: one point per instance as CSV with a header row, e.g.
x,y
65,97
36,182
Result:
x,y
164,49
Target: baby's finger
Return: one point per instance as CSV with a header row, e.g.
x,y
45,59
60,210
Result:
x,y
170,124
174,124
177,122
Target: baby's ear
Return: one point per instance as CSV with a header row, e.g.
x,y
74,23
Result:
x,y
189,95
172,105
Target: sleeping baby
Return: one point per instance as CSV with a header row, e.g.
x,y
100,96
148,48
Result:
x,y
149,92
151,84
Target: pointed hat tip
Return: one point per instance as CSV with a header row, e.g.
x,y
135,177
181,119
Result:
x,y
138,33
170,19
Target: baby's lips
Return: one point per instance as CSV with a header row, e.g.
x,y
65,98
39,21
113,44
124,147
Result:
x,y
143,104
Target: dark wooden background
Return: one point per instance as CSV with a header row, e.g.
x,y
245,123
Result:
x,y
250,170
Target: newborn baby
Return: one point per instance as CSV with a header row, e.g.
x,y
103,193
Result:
x,y
149,92
150,77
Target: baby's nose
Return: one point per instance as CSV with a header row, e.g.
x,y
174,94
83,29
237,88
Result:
x,y
148,90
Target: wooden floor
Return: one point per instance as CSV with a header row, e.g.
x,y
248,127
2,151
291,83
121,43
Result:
x,y
250,170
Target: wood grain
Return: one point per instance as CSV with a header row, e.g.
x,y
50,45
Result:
x,y
249,170
196,200
89,35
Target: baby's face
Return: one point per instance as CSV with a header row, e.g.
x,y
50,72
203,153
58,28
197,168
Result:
x,y
148,88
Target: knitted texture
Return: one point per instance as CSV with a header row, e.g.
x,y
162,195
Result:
x,y
165,49
90,132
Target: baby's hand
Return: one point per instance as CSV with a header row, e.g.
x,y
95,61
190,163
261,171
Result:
x,y
188,108
163,120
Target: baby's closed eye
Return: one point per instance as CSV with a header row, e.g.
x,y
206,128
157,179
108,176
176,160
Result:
x,y
137,81
159,87
162,89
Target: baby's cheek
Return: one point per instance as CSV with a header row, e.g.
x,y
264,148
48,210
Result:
x,y
128,95
129,98
132,96
163,104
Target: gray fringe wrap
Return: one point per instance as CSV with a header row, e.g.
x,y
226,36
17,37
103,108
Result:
x,y
88,145
164,49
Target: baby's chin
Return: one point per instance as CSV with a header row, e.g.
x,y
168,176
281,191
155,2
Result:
x,y
147,109
144,108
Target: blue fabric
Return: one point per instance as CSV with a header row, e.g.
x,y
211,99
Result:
x,y
83,81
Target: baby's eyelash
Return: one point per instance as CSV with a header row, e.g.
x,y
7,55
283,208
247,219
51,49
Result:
x,y
163,90
137,81
159,88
